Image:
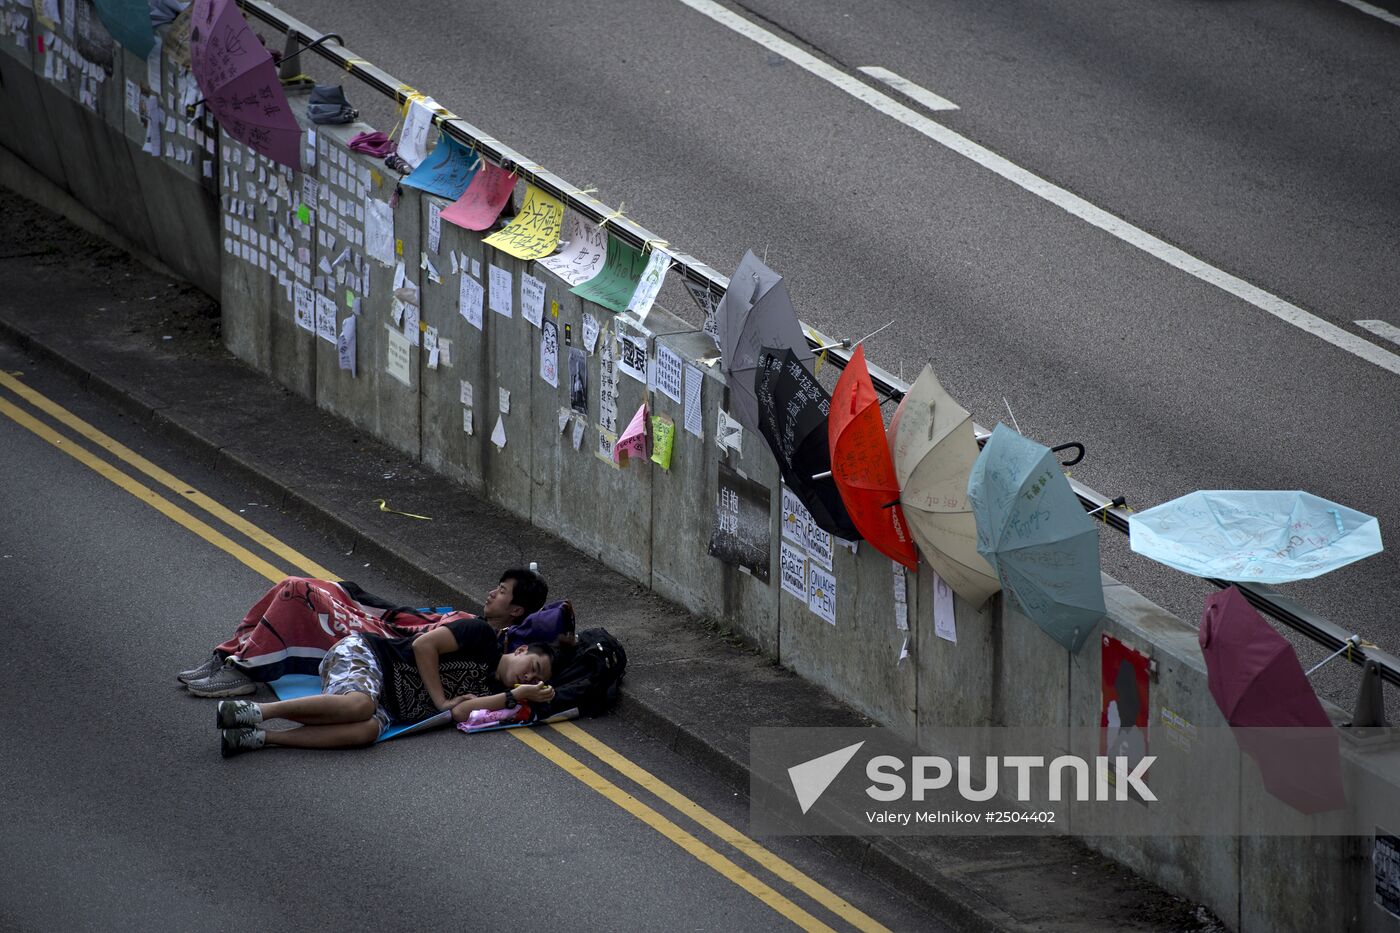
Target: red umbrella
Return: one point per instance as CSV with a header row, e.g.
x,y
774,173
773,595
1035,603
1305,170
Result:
x,y
862,466
1261,689
240,83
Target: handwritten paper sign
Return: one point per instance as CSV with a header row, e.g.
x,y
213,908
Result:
x,y
435,229
532,298
663,439
325,318
582,257
792,564
576,438
534,233
607,389
486,194
345,347
668,372
740,533
501,291
649,285
469,295
379,231
549,353
447,171
613,287
632,358
413,140
901,597
821,593
633,442
694,411
465,393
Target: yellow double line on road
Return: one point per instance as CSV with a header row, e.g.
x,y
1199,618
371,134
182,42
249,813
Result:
x,y
643,811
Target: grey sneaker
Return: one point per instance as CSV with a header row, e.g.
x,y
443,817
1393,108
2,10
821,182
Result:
x,y
234,713
227,681
204,670
237,741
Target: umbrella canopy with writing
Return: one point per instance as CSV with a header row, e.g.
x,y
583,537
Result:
x,y
129,22
239,82
861,464
792,415
756,312
1254,536
934,449
1261,690
1033,531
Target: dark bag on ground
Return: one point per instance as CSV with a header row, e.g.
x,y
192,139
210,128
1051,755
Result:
x,y
589,684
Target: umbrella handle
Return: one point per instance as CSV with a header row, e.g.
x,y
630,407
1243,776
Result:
x,y
1079,456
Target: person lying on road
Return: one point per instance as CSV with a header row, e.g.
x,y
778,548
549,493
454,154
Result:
x,y
290,629
369,681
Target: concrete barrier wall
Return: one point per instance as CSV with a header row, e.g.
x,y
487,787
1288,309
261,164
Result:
x,y
246,245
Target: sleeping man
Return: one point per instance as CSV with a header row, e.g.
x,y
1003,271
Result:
x,y
369,681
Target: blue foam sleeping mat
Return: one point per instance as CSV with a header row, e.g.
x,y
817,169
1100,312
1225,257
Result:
x,y
309,685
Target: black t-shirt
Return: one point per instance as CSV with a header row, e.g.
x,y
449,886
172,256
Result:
x,y
469,669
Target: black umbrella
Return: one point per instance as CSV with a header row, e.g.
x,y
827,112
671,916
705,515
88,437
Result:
x,y
792,413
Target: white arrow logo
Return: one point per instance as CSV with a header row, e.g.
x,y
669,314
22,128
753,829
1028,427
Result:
x,y
811,778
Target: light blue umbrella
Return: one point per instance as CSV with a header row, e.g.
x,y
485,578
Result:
x,y
1254,536
129,22
1033,531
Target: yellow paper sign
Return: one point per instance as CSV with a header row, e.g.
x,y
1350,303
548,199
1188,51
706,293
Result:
x,y
534,232
398,247
663,437
554,308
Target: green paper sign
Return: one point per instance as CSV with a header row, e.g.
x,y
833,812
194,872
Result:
x,y
303,213
613,287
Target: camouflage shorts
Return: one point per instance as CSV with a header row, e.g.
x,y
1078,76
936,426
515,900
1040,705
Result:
x,y
351,667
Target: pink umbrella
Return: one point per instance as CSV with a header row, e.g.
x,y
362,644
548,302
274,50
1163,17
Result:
x,y
1262,691
239,82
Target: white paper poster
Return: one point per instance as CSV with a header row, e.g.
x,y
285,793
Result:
x,y
590,332
821,593
398,357
379,231
819,542
325,318
466,394
549,353
434,226
729,434
901,597
413,141
468,422
944,625
668,372
649,285
694,410
304,307
607,391
794,570
793,512
577,437
469,296
501,299
583,253
531,298
498,433
346,345
632,356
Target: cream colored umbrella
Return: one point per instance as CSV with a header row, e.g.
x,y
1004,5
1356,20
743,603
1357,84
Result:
x,y
934,449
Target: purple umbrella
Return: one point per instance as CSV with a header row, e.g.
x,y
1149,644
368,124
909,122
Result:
x,y
1261,689
239,82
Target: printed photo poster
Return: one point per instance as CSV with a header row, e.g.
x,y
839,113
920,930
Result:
x,y
549,353
578,380
1123,710
740,535
1385,860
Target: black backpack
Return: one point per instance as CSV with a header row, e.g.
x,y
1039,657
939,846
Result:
x,y
590,683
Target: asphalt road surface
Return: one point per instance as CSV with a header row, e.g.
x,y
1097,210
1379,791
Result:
x,y
1255,137
119,814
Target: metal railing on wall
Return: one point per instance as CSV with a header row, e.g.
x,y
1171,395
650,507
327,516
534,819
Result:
x,y
1375,662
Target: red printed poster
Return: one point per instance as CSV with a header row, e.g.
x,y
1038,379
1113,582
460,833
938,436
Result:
x,y
1123,713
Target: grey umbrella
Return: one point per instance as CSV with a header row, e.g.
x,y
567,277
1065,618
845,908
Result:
x,y
756,311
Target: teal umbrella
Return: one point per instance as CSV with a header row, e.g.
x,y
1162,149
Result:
x,y
1033,531
1255,536
129,22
